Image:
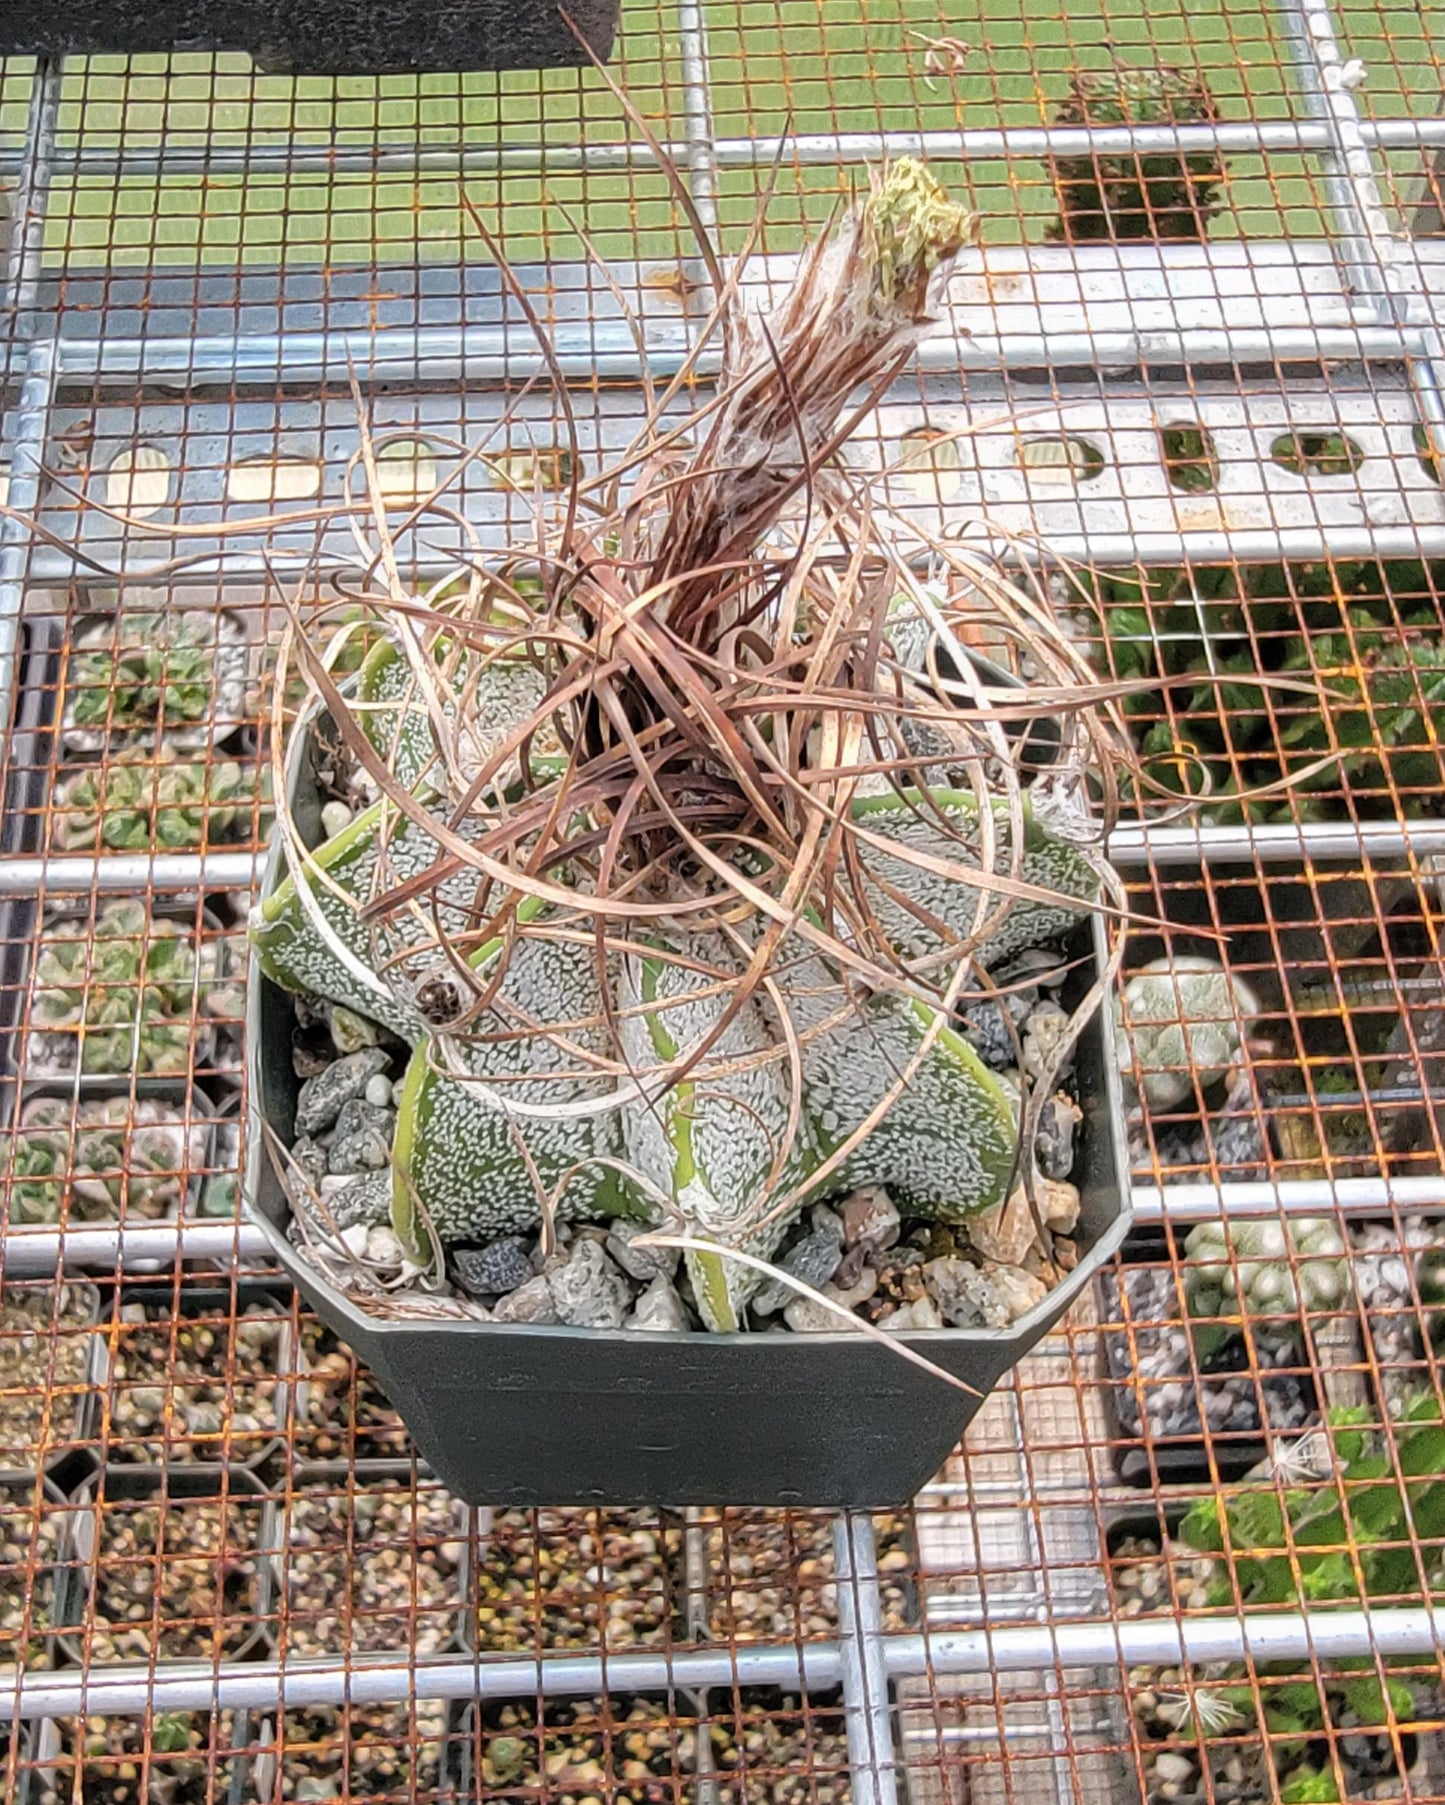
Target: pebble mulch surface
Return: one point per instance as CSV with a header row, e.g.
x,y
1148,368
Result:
x,y
202,1390
170,1760
45,1353
176,1579
376,1567
30,1537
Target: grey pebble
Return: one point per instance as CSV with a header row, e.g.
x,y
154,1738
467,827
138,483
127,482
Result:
x,y
363,1138
640,1263
813,1260
1054,1145
366,1199
985,1027
589,1292
869,1217
531,1302
322,1098
501,1266
310,1157
964,1296
660,1309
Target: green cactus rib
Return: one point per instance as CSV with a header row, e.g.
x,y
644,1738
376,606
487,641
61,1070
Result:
x,y
707,1143
947,1145
461,1158
288,945
909,817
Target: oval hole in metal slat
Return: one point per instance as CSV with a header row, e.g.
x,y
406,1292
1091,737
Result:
x,y
4,484
406,471
930,462
1061,458
262,479
1424,451
528,466
1312,454
138,480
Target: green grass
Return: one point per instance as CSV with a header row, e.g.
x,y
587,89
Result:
x,y
808,65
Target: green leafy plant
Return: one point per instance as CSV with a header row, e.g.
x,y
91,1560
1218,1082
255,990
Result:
x,y
108,1155
1161,195
143,799
1369,709
123,990
1332,1544
144,669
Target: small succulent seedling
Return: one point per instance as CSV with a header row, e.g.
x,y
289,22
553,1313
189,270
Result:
x,y
1161,195
107,1155
1181,1018
1261,1269
124,990
149,669
157,798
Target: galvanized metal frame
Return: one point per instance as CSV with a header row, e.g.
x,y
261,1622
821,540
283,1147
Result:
x,y
1397,306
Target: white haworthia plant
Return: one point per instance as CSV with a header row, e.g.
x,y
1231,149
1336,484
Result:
x,y
677,865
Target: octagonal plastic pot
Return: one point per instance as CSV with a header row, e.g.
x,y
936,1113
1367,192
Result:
x,y
527,1415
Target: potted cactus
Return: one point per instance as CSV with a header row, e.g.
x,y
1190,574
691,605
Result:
x,y
118,995
158,799
1162,195
656,908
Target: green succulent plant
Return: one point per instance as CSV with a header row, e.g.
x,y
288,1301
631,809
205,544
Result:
x,y
1162,195
1265,1267
1331,1544
110,1155
125,989
160,800
150,669
640,967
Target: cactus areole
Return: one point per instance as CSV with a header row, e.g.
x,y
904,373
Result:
x,y
667,876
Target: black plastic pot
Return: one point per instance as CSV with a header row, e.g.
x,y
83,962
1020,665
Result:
x,y
525,1415
320,36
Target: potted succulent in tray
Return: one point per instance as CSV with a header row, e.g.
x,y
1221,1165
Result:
x,y
682,900
109,1156
118,995
154,798
1159,195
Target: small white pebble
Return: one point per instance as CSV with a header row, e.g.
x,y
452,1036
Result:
x,y
383,1247
378,1091
334,817
1169,1766
353,1239
333,1182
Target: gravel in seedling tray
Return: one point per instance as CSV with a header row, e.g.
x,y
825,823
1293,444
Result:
x,y
152,669
771,1576
1406,1327
341,1412
573,1579
102,1159
781,1748
1177,1421
202,1384
170,1758
32,1523
49,1354
172,1566
123,992
359,1752
375,1566
626,1751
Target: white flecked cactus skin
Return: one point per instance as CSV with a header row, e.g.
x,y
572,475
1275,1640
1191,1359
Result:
x,y
1048,864
459,1153
710,1141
